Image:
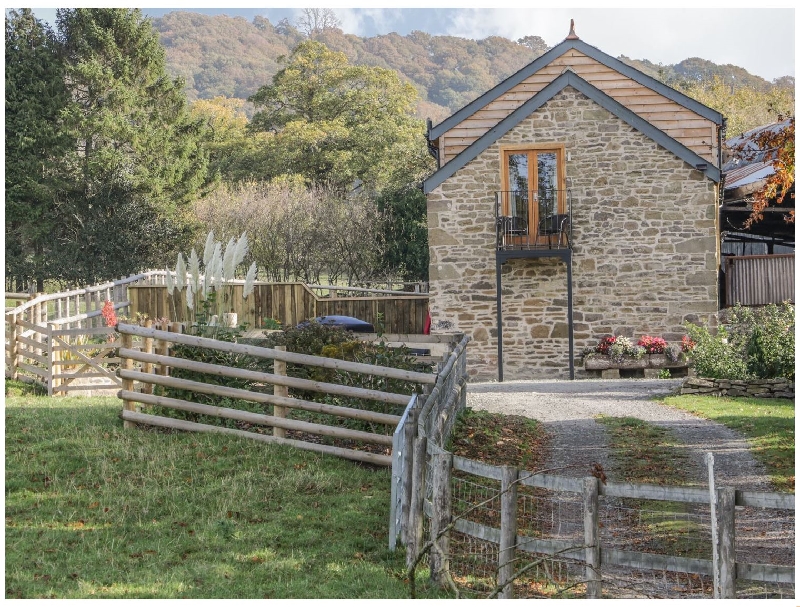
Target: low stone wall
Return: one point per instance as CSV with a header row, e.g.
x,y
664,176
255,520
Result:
x,y
761,388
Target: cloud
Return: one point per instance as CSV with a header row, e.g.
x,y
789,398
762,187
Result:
x,y
759,40
369,21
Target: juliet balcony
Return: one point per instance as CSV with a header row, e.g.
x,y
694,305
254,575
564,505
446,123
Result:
x,y
533,220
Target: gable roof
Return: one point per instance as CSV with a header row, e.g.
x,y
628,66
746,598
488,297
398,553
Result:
x,y
590,51
569,78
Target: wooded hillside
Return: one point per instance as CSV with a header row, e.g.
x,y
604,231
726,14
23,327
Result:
x,y
233,57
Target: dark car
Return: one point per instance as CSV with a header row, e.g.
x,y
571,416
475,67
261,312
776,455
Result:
x,y
348,323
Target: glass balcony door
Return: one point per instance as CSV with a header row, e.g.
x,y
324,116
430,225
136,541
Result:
x,y
533,180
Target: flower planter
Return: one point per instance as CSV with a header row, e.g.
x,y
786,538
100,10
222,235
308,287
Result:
x,y
600,362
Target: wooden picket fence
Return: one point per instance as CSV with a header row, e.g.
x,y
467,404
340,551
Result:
x,y
141,372
59,340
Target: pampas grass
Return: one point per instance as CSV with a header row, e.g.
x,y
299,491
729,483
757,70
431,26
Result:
x,y
219,270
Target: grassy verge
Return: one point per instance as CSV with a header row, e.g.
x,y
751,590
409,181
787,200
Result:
x,y
645,453
95,511
767,422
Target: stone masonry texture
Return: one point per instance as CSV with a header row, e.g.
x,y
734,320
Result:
x,y
644,247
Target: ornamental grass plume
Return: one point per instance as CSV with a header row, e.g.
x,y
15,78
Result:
x,y
208,250
170,283
189,296
248,281
180,273
229,260
194,271
240,251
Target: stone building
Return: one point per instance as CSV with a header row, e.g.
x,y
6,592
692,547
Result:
x,y
576,199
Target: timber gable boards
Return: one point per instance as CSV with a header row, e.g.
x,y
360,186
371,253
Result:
x,y
693,125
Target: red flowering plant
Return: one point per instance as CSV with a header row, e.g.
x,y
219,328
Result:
x,y
109,314
652,345
604,347
110,317
687,344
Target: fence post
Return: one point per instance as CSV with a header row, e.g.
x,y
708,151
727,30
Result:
x,y
51,358
279,368
726,536
148,349
416,513
162,349
508,532
37,319
15,355
127,384
441,500
591,536
408,471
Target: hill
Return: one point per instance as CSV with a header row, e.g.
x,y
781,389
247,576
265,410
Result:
x,y
233,57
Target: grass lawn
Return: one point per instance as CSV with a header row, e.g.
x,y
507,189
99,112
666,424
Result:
x,y
95,511
767,422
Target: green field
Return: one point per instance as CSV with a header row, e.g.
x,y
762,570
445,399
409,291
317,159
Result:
x,y
95,511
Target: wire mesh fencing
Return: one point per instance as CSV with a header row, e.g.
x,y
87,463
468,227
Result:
x,y
661,547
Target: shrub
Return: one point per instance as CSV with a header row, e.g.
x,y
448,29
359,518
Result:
x,y
750,343
713,356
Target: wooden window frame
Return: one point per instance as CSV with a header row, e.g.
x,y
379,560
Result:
x,y
533,179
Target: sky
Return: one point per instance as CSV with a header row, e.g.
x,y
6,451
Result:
x,y
762,41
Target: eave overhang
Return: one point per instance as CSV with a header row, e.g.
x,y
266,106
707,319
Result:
x,y
569,78
589,51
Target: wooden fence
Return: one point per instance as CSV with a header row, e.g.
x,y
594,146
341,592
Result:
x,y
755,280
154,371
426,481
291,303
60,341
42,318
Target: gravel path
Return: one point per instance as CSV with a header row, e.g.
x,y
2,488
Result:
x,y
568,408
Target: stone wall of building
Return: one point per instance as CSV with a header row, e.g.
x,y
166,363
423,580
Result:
x,y
644,246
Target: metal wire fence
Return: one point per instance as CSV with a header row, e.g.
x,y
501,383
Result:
x,y
651,548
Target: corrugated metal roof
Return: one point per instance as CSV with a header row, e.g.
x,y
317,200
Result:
x,y
750,153
747,174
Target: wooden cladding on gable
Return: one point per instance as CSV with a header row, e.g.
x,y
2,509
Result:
x,y
682,124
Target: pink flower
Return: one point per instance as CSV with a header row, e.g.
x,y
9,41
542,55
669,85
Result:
x,y
653,345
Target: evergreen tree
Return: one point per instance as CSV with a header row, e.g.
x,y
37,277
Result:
x,y
35,97
138,158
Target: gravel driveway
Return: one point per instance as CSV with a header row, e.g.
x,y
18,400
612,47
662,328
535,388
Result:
x,y
568,409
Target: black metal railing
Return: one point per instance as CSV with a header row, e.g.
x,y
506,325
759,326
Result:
x,y
542,223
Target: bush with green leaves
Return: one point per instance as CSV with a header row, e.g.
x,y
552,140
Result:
x,y
335,342
751,343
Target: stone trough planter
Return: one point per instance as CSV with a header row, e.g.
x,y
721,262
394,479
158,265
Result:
x,y
649,365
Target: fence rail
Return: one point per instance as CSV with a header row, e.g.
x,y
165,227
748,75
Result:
x,y
279,421
500,531
42,318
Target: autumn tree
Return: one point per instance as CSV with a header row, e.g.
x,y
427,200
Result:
x,y
777,145
744,107
335,123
